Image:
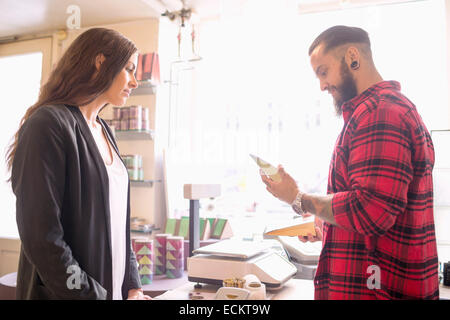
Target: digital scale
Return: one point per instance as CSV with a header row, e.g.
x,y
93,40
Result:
x,y
235,259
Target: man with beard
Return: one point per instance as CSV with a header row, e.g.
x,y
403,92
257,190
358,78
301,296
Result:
x,y
376,221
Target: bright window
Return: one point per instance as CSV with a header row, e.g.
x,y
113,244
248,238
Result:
x,y
20,79
254,92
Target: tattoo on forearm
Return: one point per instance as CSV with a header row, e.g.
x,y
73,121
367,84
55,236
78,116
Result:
x,y
319,206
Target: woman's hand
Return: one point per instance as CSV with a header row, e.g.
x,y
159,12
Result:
x,y
137,294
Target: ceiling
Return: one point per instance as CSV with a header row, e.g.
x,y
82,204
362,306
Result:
x,y
27,17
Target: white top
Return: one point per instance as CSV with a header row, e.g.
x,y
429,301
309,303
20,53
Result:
x,y
118,193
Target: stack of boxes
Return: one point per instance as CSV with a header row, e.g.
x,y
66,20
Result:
x,y
174,257
133,162
131,118
144,255
148,68
161,252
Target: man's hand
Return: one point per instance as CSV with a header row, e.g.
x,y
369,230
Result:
x,y
137,294
318,226
286,190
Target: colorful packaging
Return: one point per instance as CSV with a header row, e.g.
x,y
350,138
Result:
x,y
175,257
144,257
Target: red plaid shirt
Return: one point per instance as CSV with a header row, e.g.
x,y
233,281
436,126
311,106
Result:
x,y
380,175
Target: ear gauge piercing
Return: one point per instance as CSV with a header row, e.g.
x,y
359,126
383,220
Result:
x,y
354,65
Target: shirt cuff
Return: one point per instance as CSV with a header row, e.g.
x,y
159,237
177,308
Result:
x,y
339,207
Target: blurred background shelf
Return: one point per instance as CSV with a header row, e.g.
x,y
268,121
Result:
x,y
143,183
145,87
134,135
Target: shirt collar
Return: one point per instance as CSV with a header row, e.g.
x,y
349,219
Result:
x,y
349,107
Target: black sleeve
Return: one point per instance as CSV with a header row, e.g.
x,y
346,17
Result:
x,y
38,180
135,281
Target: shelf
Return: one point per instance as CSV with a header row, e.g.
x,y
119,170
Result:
x,y
144,87
143,183
134,135
142,231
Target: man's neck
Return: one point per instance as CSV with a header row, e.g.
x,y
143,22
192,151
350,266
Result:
x,y
365,82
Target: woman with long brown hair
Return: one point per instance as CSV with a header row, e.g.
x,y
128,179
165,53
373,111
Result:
x,y
71,186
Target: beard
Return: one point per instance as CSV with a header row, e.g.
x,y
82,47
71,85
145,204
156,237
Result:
x,y
346,90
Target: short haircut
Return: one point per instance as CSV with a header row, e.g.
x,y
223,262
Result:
x,y
339,35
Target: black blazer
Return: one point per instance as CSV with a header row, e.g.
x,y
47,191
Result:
x,y
63,216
